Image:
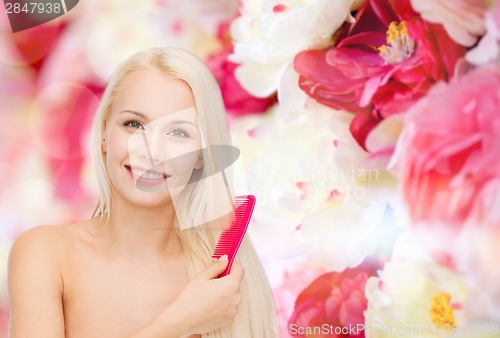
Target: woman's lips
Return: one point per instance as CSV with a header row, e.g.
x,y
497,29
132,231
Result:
x,y
147,177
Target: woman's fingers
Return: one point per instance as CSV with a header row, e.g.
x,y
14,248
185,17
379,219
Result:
x,y
237,271
214,269
212,302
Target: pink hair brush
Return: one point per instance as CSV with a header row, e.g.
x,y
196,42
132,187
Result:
x,y
230,239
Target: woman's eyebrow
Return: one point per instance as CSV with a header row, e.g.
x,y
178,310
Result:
x,y
184,122
135,113
146,118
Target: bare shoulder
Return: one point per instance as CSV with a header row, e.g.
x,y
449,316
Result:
x,y
37,239
40,252
43,233
35,281
42,242
46,247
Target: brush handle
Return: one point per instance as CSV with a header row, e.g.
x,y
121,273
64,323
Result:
x,y
230,240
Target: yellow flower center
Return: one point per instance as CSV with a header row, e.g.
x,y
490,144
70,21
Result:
x,y
441,311
399,44
396,31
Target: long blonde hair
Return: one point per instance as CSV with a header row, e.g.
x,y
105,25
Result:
x,y
257,317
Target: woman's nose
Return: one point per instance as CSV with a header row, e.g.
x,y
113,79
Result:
x,y
154,148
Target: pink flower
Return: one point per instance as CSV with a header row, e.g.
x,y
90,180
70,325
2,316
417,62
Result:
x,y
236,99
34,45
380,65
66,112
448,155
333,303
286,293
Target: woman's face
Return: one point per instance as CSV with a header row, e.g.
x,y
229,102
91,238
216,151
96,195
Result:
x,y
152,138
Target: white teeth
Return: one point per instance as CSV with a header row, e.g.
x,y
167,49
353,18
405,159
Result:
x,y
137,172
146,175
151,176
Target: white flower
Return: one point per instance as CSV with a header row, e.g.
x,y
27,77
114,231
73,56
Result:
x,y
386,134
462,19
418,296
488,49
269,34
315,202
476,253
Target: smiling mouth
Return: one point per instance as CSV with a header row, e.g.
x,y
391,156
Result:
x,y
147,175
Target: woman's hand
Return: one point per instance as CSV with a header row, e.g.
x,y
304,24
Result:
x,y
209,303
206,304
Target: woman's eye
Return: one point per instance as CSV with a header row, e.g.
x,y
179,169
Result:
x,y
133,124
178,133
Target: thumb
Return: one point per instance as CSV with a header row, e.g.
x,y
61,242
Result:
x,y
216,268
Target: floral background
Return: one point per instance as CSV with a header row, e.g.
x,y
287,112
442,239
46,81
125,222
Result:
x,y
369,131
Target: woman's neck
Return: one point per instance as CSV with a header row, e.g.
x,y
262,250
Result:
x,y
142,232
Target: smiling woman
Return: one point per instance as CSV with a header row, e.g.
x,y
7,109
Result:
x,y
146,131
135,269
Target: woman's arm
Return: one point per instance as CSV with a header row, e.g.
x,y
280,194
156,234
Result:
x,y
206,304
35,286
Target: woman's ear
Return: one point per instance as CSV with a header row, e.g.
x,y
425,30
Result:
x,y
103,145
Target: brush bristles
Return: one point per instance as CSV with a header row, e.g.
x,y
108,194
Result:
x,y
231,238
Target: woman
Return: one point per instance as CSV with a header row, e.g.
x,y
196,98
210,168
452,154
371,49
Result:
x,y
134,270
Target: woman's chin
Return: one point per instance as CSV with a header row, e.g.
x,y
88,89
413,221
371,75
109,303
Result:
x,y
144,199
150,201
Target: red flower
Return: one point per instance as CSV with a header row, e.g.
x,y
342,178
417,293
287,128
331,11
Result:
x,y
380,65
333,305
